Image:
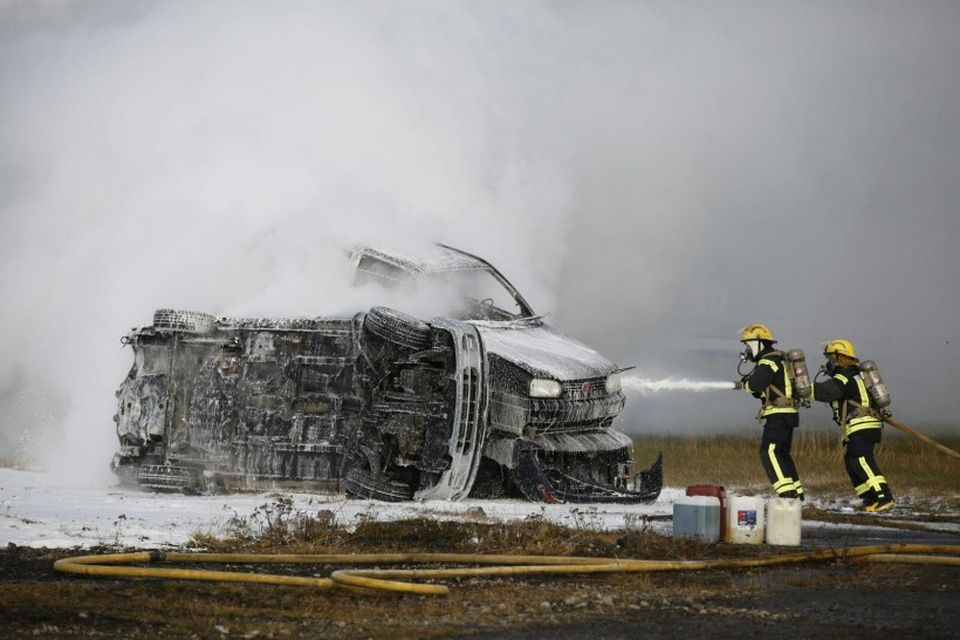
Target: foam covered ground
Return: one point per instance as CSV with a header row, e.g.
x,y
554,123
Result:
x,y
38,510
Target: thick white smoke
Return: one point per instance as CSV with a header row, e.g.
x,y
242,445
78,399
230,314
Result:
x,y
223,159
656,174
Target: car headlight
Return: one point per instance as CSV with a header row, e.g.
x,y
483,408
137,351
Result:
x,y
544,388
613,383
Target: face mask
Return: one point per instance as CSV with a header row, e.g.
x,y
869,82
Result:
x,y
751,350
830,367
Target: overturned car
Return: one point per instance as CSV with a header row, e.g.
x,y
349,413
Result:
x,y
484,401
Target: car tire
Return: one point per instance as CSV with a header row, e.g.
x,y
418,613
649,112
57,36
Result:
x,y
360,482
193,322
397,327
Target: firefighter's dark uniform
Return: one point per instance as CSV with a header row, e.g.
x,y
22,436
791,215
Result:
x,y
861,427
770,383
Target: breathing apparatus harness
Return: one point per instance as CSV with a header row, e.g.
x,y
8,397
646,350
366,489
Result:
x,y
873,390
797,385
879,400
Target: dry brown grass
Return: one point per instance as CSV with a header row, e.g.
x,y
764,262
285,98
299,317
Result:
x,y
912,468
532,536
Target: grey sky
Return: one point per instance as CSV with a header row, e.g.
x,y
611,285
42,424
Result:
x,y
655,175
796,164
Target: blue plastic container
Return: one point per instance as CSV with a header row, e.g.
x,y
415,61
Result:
x,y
697,517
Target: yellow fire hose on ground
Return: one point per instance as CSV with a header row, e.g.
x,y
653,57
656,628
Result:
x,y
398,580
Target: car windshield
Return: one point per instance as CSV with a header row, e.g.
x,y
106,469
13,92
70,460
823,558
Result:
x,y
466,294
474,294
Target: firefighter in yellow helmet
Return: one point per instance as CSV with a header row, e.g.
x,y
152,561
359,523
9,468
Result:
x,y
778,408
860,422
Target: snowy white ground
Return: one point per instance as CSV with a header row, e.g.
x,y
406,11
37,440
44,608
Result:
x,y
39,511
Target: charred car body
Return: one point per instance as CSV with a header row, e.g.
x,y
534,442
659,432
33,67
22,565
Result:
x,y
489,401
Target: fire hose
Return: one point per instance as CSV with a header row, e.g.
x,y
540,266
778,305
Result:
x,y
913,433
399,580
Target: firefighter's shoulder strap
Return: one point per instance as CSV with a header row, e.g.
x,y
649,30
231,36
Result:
x,y
851,409
843,404
778,399
773,365
766,359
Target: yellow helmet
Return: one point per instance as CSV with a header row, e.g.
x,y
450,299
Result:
x,y
756,332
841,347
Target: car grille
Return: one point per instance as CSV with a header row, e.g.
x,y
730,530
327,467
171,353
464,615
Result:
x,y
582,406
589,389
574,411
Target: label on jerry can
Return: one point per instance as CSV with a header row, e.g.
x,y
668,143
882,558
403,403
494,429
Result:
x,y
746,518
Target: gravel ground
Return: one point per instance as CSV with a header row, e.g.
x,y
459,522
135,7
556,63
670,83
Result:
x,y
831,601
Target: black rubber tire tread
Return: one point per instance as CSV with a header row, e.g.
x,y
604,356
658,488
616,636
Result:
x,y
362,483
397,327
165,478
194,322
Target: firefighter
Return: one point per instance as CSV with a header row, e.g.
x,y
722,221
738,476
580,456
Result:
x,y
778,408
860,423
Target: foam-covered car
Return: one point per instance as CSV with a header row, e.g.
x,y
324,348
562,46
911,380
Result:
x,y
486,400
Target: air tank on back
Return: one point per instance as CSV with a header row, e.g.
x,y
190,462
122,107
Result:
x,y
875,385
801,377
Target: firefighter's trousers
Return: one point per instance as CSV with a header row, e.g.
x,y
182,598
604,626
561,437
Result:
x,y
865,475
775,454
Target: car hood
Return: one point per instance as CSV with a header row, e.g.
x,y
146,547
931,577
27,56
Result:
x,y
543,351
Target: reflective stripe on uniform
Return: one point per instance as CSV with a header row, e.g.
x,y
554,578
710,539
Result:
x,y
769,363
862,388
873,481
772,455
861,424
840,407
783,482
787,387
793,486
788,393
771,410
861,489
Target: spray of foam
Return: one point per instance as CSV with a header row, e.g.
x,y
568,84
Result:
x,y
649,385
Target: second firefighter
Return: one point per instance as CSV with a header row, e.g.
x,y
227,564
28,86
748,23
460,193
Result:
x,y
859,420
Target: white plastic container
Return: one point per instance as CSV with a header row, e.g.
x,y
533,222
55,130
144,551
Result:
x,y
783,521
745,520
697,517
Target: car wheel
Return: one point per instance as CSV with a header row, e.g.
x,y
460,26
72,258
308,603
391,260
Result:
x,y
397,327
184,321
360,482
170,478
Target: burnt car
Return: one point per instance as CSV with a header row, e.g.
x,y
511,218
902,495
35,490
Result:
x,y
486,400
